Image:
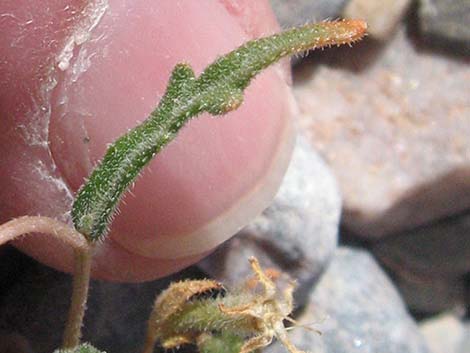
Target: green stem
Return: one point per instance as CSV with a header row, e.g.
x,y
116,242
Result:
x,y
218,90
221,343
81,281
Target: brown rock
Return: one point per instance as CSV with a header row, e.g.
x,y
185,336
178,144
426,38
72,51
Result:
x,y
396,134
431,295
441,249
429,263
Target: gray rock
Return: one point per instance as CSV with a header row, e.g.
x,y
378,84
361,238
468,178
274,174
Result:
x,y
358,310
395,133
446,334
296,234
297,12
446,21
382,16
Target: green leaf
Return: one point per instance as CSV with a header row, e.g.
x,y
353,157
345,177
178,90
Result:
x,y
218,90
83,348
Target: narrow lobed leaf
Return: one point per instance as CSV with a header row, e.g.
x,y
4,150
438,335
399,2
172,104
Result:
x,y
218,90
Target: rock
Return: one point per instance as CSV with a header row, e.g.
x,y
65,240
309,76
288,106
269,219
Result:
x,y
296,234
429,263
466,339
382,17
357,309
441,249
446,22
427,295
445,334
35,307
394,130
297,12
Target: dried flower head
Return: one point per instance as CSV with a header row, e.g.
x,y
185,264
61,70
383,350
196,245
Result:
x,y
267,310
255,314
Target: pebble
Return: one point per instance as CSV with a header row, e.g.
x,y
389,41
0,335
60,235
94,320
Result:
x,y
382,16
427,295
298,12
446,333
297,234
393,123
466,339
429,263
446,23
357,309
440,249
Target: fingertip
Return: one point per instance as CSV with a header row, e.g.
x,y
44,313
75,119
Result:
x,y
206,184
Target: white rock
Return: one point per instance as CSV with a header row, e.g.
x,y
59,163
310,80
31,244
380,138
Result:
x,y
444,333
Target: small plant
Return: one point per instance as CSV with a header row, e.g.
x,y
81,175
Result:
x,y
237,322
244,320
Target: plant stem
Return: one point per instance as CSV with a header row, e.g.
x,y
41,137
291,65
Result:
x,y
37,224
83,253
150,342
81,281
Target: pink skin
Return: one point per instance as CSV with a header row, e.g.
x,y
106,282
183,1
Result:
x,y
216,175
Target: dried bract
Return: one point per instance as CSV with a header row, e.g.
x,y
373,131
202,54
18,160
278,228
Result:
x,y
255,313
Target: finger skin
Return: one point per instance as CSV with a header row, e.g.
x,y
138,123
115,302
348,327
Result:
x,y
214,177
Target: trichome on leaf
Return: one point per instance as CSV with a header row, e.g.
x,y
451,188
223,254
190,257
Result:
x,y
218,90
